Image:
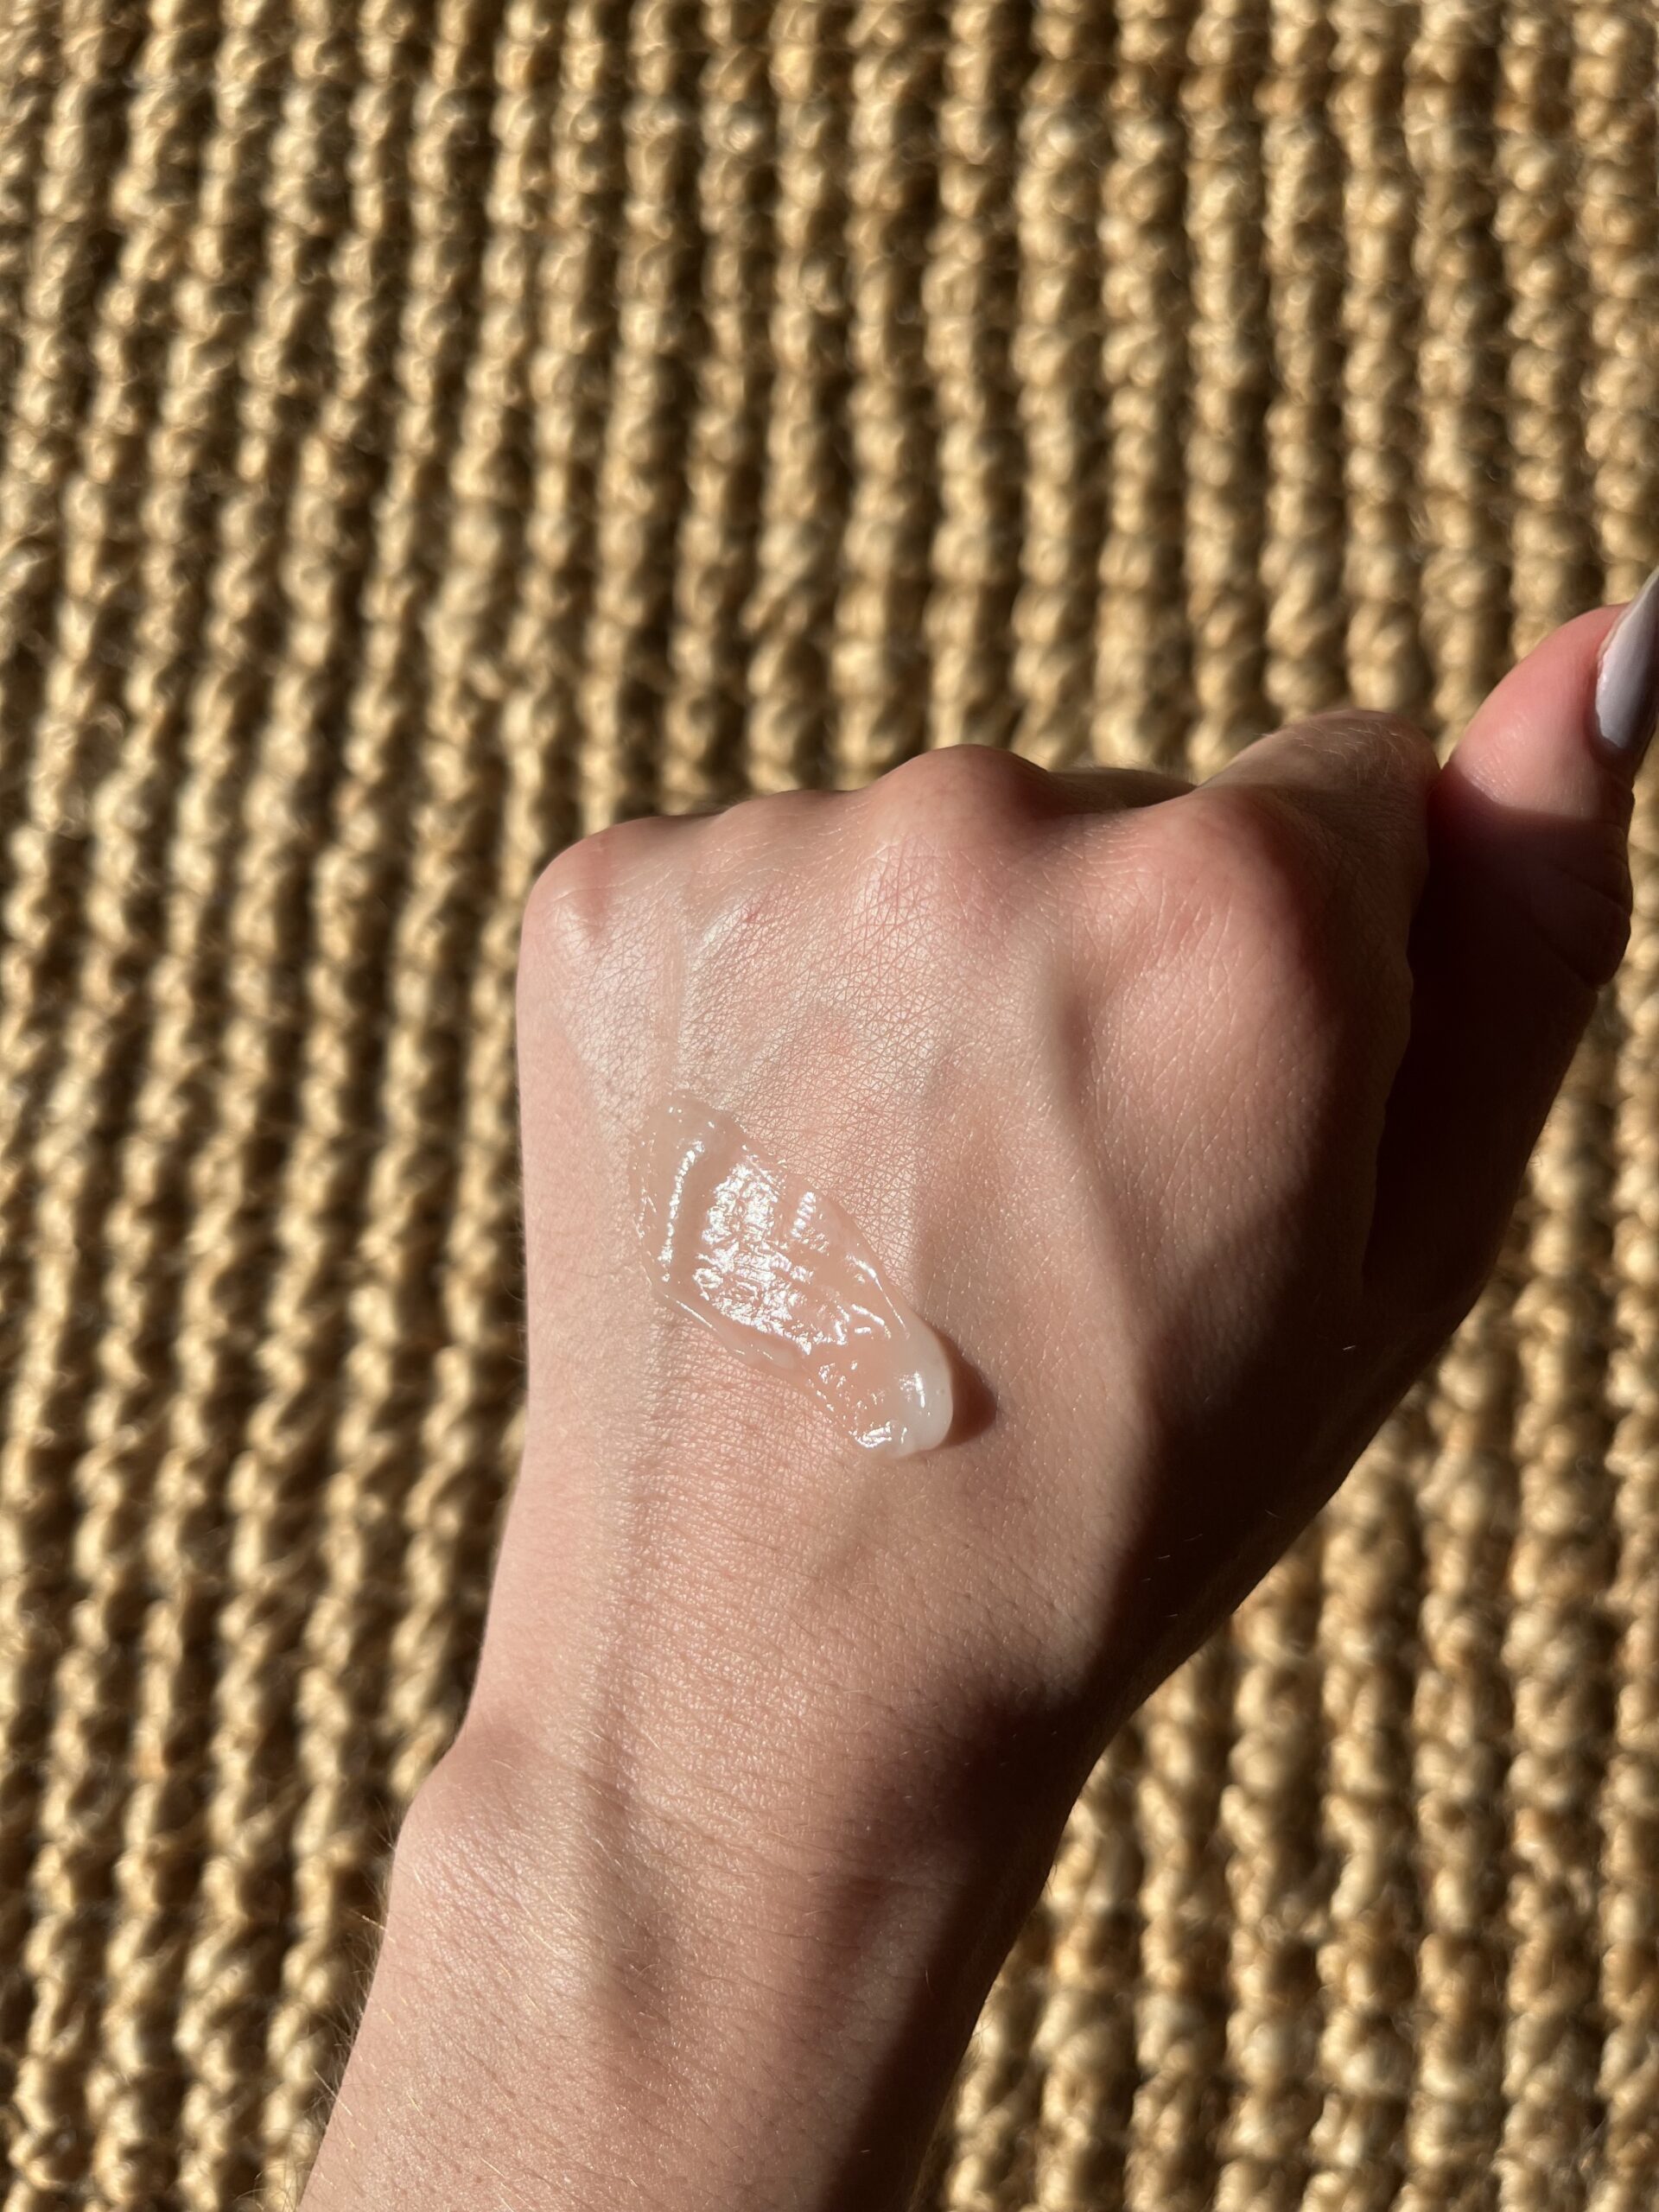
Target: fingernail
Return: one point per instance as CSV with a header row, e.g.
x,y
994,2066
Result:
x,y
1627,684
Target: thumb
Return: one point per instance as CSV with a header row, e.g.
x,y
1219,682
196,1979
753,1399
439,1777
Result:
x,y
1523,918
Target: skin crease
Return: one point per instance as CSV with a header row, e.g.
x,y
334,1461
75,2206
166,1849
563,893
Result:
x,y
1193,1120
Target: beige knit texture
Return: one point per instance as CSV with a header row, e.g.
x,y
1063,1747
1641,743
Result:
x,y
431,428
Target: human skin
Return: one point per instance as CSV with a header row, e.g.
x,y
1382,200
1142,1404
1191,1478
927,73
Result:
x,y
1191,1120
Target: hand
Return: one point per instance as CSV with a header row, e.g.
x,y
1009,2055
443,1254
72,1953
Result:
x,y
1192,1119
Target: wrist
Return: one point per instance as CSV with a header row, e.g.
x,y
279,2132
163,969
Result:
x,y
746,1809
585,1998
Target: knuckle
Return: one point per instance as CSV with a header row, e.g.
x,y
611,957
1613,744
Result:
x,y
931,847
1250,869
937,835
959,790
756,866
758,829
573,902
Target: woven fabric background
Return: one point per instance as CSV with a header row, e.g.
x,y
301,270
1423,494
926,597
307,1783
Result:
x,y
430,428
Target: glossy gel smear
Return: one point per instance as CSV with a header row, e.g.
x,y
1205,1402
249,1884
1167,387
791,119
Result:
x,y
784,1280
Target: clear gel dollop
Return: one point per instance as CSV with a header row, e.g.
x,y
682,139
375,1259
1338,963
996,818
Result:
x,y
784,1280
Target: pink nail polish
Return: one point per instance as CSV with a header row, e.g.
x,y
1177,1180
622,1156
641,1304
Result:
x,y
1627,681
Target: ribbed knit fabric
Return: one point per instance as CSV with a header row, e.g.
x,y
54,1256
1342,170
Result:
x,y
429,429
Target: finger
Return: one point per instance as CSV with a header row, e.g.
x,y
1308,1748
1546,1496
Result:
x,y
1524,917
1355,784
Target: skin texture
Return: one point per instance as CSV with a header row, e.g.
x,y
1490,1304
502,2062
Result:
x,y
1191,1120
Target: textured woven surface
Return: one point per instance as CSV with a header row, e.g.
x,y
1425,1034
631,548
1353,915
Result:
x,y
431,427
